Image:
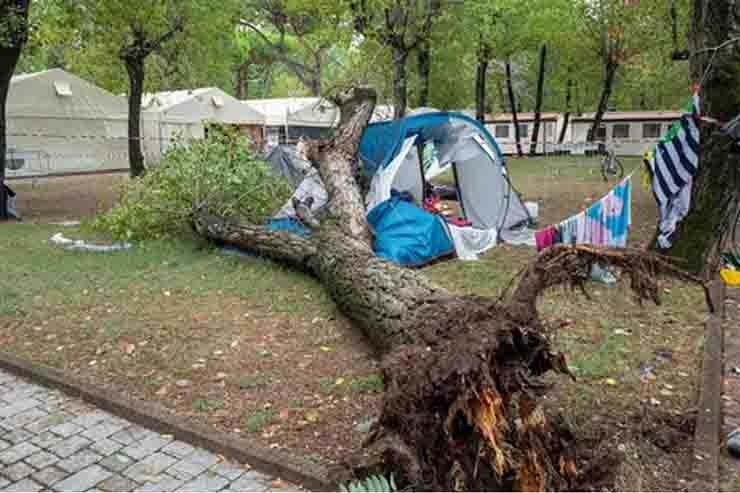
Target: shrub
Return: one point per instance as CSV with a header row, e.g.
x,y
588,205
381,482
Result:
x,y
372,484
220,174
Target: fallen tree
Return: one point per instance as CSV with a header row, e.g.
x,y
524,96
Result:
x,y
463,402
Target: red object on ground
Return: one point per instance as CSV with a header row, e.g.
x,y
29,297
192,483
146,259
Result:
x,y
433,205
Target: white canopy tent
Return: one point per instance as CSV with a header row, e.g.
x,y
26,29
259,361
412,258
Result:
x,y
168,116
58,123
287,119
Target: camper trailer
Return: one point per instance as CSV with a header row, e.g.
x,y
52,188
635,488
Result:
x,y
629,133
501,127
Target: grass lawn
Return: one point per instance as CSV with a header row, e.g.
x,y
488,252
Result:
x,y
255,349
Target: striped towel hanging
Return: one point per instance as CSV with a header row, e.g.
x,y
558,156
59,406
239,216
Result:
x,y
676,158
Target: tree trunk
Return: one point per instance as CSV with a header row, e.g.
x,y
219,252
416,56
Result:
x,y
8,59
400,57
538,103
316,73
606,92
484,55
135,69
512,105
463,409
715,195
13,36
241,81
424,61
566,114
503,100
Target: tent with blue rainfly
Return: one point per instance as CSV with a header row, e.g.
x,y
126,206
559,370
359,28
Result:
x,y
400,157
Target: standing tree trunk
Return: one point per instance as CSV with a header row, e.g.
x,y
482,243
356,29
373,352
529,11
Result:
x,y
134,57
135,68
503,99
566,114
400,89
484,56
13,35
512,105
241,80
315,72
538,103
715,195
463,409
424,61
610,74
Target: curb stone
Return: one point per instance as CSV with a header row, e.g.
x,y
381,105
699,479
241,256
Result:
x,y
150,415
705,467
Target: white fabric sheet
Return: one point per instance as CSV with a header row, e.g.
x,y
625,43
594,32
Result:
x,y
470,242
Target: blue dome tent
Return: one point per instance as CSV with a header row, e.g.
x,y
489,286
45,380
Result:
x,y
391,154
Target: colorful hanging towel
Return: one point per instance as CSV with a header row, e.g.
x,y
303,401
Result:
x,y
545,237
610,218
676,158
605,223
674,163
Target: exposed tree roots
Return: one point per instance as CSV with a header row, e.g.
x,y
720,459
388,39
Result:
x,y
463,404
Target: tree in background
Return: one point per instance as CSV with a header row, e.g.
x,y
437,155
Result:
x,y
479,19
618,31
14,30
125,34
295,34
559,47
53,29
401,26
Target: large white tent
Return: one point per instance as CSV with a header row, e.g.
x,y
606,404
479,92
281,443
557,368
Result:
x,y
287,119
58,123
177,114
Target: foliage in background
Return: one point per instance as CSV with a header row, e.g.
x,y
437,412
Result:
x,y
219,173
217,52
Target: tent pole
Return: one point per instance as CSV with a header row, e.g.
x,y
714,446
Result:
x,y
457,190
424,185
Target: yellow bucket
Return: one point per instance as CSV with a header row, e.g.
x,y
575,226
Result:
x,y
731,277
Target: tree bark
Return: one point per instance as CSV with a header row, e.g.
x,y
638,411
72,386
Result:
x,y
135,69
610,73
241,80
134,57
11,45
424,62
512,105
316,73
400,89
484,56
463,409
715,195
566,114
538,103
502,99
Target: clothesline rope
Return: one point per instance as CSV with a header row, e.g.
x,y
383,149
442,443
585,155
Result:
x,y
605,222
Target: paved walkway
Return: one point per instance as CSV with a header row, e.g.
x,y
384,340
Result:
x,y
50,441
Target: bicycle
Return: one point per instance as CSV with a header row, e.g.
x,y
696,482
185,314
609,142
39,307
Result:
x,y
611,166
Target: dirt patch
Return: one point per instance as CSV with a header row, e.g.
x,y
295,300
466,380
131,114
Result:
x,y
66,197
295,384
